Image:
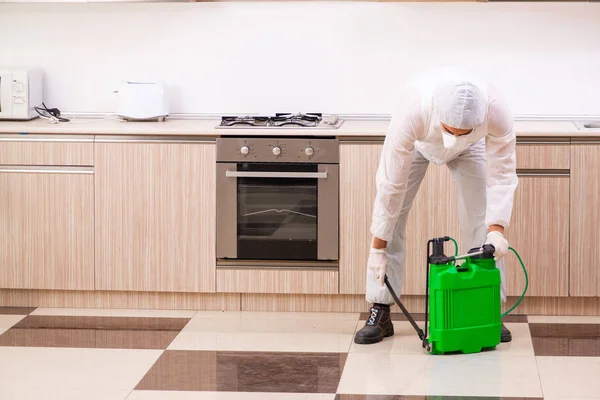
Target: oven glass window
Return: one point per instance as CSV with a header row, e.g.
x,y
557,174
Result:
x,y
277,216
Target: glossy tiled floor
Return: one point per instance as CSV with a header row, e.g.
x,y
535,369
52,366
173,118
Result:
x,y
186,355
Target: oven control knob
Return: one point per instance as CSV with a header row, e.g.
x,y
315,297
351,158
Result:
x,y
309,151
276,151
245,150
18,87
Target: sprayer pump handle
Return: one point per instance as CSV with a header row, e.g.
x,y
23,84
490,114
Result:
x,y
488,250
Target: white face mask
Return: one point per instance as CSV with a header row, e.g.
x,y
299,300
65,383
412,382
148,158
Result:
x,y
450,141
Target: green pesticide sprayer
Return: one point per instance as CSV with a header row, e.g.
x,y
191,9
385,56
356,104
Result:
x,y
462,303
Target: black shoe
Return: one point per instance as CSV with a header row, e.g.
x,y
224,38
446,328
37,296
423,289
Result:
x,y
378,326
505,336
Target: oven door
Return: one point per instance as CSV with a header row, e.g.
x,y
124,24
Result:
x,y
277,212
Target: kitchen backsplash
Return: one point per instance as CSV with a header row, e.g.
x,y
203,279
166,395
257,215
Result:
x,y
332,57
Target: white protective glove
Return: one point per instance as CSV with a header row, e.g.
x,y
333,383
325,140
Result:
x,y
500,244
377,263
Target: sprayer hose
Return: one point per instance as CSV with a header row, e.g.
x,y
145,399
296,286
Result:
x,y
526,283
455,248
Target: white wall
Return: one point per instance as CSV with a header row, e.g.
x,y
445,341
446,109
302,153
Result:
x,y
305,56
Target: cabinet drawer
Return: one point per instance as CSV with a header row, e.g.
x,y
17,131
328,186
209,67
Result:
x,y
46,150
280,281
543,155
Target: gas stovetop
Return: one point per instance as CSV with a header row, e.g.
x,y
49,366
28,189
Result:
x,y
281,121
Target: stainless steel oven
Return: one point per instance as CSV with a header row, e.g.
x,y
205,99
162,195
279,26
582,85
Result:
x,y
277,201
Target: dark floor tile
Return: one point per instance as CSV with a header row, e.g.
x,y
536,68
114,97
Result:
x,y
102,323
401,397
565,330
16,310
245,372
575,340
93,332
88,338
566,347
515,318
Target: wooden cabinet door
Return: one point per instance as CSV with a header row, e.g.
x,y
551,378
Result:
x,y
585,219
358,166
47,228
539,232
155,215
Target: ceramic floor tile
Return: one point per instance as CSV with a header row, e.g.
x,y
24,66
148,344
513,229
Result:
x,y
263,331
567,347
8,321
88,338
178,395
551,319
102,323
54,393
272,322
569,377
271,325
560,339
107,312
64,369
245,372
271,341
93,332
521,343
565,330
406,341
482,374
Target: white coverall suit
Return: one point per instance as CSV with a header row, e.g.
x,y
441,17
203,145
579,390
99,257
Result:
x,y
483,165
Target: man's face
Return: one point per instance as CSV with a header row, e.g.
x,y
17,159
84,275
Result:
x,y
456,132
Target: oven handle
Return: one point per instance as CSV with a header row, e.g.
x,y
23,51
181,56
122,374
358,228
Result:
x,y
261,174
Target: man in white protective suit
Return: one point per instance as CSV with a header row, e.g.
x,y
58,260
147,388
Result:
x,y
445,116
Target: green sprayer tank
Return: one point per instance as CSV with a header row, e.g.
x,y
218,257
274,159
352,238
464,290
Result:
x,y
465,305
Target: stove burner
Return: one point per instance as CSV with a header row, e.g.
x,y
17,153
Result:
x,y
247,120
280,119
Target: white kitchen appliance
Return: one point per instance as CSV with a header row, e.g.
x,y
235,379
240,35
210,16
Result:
x,y
20,92
142,101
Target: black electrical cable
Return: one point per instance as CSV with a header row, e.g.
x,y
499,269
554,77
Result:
x,y
52,113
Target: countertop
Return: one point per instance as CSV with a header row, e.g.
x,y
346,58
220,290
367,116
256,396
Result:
x,y
207,127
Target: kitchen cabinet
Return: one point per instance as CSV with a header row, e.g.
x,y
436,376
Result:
x,y
283,281
539,228
64,150
539,231
155,214
47,227
585,219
